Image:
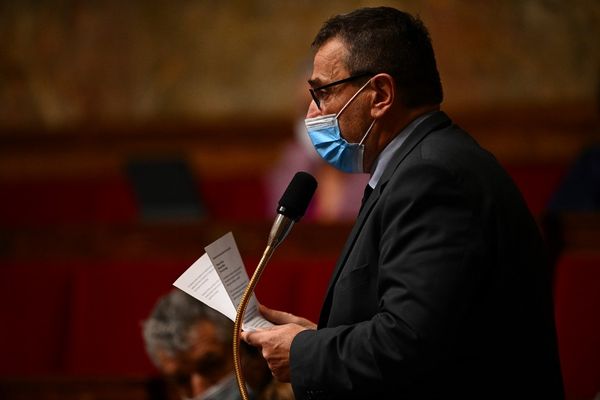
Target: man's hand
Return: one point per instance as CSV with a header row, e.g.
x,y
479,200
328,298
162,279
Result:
x,y
275,342
281,318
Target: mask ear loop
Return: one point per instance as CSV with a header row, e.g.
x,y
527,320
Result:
x,y
367,133
352,98
360,167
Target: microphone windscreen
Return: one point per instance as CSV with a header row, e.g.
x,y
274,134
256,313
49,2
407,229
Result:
x,y
295,199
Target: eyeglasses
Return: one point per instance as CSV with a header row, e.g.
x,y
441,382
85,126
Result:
x,y
317,93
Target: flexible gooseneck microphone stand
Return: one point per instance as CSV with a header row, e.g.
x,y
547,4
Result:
x,y
292,206
240,317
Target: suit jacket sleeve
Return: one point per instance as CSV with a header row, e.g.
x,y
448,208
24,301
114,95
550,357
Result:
x,y
429,245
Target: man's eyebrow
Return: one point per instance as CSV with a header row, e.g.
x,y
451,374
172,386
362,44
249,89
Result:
x,y
314,82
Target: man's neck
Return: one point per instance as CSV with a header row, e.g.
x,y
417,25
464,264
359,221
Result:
x,y
395,122
401,120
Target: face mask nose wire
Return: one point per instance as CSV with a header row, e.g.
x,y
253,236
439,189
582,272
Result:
x,y
352,98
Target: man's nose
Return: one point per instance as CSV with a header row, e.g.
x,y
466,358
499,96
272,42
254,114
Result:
x,y
313,110
197,385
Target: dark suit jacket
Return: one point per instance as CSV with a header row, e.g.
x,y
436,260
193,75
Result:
x,y
442,289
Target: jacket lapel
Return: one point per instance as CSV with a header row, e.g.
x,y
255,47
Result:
x,y
434,122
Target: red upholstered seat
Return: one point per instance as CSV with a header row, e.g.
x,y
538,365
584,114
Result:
x,y
34,300
297,286
577,309
240,198
110,199
41,202
109,304
537,182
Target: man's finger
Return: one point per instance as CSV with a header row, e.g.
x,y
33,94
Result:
x,y
251,337
247,337
282,318
277,317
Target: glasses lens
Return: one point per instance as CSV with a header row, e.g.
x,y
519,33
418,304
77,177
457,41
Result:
x,y
313,92
315,98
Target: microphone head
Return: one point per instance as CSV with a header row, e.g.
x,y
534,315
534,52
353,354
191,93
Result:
x,y
295,199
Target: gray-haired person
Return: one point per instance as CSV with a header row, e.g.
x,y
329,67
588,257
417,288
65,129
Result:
x,y
190,344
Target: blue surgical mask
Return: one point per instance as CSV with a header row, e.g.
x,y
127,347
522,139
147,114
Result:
x,y
326,136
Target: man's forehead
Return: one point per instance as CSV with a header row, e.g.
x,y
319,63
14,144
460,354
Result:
x,y
204,335
329,63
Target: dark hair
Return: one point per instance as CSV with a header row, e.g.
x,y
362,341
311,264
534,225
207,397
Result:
x,y
384,39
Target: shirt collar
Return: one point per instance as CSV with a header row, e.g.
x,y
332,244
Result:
x,y
383,159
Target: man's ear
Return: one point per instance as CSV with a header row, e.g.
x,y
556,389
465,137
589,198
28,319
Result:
x,y
385,93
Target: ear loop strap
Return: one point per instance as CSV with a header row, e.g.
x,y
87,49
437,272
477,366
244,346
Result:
x,y
362,146
367,133
352,98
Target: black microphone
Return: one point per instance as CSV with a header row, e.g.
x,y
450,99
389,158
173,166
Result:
x,y
292,206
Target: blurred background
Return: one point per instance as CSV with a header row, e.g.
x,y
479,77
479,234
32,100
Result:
x,y
133,134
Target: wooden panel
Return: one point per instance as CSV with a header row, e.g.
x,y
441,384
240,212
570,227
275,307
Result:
x,y
530,134
218,149
515,134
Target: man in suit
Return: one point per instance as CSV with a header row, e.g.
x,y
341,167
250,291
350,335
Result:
x,y
442,289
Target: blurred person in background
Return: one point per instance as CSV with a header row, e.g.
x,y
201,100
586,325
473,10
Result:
x,y
191,345
580,188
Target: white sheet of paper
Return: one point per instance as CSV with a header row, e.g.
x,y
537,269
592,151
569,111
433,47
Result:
x,y
218,279
201,281
228,263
